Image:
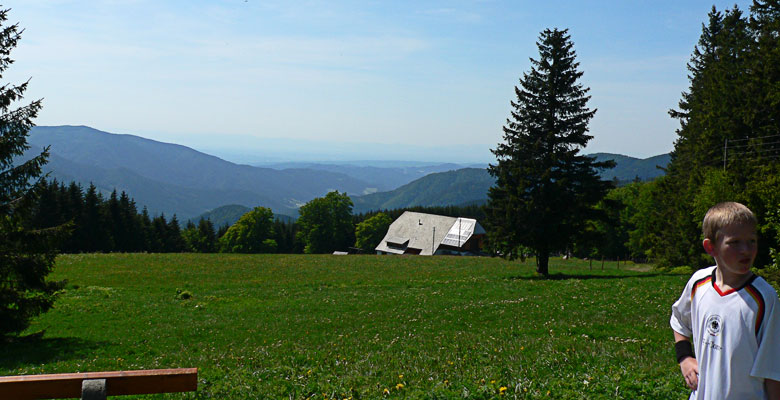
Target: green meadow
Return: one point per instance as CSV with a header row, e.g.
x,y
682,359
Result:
x,y
361,327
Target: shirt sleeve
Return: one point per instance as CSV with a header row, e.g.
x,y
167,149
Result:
x,y
681,313
767,362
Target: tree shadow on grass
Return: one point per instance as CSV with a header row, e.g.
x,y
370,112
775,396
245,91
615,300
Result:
x,y
35,350
563,276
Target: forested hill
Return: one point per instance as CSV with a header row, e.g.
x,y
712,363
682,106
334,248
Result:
x,y
384,175
444,188
229,214
628,168
172,179
470,185
225,215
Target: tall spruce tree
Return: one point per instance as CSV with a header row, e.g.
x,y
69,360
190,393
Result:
x,y
545,190
718,106
93,226
26,255
765,25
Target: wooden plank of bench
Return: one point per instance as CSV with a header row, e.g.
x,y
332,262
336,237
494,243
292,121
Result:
x,y
61,386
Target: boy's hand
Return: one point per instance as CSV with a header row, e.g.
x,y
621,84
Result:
x,y
690,371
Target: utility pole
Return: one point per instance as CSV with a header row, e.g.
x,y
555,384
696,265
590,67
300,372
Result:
x,y
460,232
433,240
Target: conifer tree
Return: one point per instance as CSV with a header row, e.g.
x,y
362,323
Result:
x,y
132,237
765,86
147,231
159,237
75,200
200,238
26,255
284,235
208,237
545,190
114,223
174,242
715,108
46,212
96,238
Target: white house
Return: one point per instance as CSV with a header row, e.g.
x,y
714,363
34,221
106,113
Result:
x,y
428,234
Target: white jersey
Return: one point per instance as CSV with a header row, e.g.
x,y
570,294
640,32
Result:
x,y
736,335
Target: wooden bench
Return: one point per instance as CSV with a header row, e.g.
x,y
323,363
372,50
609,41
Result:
x,y
98,385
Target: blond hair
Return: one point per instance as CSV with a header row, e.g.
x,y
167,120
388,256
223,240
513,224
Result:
x,y
725,214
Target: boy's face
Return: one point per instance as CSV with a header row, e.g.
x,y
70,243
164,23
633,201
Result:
x,y
735,249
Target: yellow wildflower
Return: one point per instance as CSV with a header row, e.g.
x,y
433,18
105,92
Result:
x,y
501,390
399,386
386,391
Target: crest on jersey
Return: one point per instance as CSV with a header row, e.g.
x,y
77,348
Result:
x,y
714,325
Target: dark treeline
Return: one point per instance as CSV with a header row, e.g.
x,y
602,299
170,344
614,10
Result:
x,y
728,144
99,224
114,224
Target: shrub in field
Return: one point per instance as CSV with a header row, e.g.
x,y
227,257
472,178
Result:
x,y
252,233
369,233
682,270
325,224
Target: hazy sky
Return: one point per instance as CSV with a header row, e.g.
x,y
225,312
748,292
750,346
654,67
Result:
x,y
232,74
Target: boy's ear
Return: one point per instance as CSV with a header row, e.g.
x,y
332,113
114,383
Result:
x,y
709,247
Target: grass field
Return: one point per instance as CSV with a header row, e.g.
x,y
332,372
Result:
x,y
361,327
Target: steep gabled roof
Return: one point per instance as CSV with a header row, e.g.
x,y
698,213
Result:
x,y
422,234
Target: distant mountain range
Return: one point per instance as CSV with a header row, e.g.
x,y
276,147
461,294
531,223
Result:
x,y
457,187
630,168
173,179
470,185
225,215
386,177
170,178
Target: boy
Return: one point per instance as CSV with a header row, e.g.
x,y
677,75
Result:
x,y
731,314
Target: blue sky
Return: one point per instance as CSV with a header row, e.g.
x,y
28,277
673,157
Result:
x,y
424,79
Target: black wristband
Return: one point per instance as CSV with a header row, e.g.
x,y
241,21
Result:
x,y
684,350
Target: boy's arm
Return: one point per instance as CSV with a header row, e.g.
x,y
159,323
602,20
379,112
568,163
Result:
x,y
681,326
772,389
688,364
